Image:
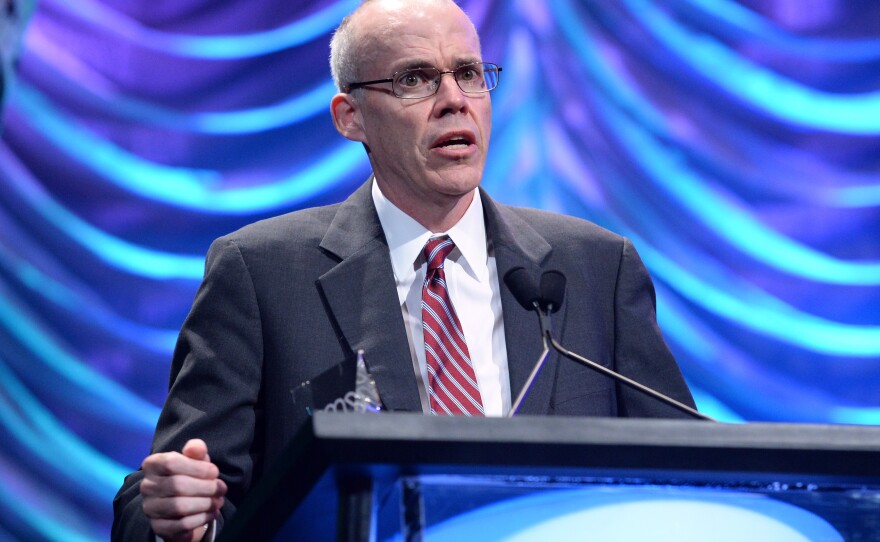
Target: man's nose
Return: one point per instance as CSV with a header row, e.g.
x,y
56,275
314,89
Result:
x,y
449,93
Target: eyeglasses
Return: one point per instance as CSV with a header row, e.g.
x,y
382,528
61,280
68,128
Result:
x,y
473,78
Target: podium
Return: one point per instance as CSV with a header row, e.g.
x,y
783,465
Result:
x,y
409,477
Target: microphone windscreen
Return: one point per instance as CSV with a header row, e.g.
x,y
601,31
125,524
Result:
x,y
552,290
523,287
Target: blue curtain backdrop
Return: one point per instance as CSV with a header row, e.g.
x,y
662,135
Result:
x,y
736,142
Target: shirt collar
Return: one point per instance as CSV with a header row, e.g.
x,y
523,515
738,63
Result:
x,y
406,237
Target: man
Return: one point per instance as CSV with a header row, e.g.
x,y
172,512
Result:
x,y
288,299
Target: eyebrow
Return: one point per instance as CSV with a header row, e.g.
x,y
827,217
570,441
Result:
x,y
416,64
413,65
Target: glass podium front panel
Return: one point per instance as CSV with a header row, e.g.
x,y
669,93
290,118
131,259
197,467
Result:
x,y
541,509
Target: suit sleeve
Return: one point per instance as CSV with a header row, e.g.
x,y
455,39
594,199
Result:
x,y
640,351
214,391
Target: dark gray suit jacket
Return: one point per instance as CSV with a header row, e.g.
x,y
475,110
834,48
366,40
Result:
x,y
287,299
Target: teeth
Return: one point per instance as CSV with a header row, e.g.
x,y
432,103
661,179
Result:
x,y
457,143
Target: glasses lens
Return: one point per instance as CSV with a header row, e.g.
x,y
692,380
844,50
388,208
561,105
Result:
x,y
490,75
416,83
477,77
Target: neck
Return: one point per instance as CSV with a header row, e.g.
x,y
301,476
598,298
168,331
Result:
x,y
438,214
441,218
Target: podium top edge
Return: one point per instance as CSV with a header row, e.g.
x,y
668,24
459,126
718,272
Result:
x,y
395,426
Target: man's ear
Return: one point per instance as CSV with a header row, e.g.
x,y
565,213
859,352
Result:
x,y
347,117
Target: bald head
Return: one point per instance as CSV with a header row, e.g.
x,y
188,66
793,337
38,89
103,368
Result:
x,y
427,152
367,27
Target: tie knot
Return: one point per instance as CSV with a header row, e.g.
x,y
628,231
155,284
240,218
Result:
x,y
436,251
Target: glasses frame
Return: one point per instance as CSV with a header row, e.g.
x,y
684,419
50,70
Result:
x,y
491,67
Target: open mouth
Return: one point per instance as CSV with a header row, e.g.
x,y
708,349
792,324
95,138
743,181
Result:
x,y
454,141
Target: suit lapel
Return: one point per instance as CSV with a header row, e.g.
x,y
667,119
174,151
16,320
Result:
x,y
515,244
362,297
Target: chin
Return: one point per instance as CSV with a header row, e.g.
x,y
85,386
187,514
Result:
x,y
460,181
459,187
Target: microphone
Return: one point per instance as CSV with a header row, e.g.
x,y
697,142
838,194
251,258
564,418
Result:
x,y
523,287
547,300
552,291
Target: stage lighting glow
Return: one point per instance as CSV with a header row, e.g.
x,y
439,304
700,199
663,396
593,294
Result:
x,y
620,514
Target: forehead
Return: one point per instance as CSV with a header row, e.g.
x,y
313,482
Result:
x,y
397,36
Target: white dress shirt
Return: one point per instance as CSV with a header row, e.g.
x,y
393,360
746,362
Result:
x,y
472,280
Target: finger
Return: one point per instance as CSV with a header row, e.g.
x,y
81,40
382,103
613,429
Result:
x,y
179,486
179,529
196,449
220,492
176,508
174,463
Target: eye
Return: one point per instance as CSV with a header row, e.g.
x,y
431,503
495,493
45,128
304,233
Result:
x,y
412,79
468,73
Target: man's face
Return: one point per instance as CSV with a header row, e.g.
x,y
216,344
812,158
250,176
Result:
x,y
429,150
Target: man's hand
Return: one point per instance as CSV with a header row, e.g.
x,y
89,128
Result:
x,y
182,492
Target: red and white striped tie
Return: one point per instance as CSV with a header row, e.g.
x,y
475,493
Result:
x,y
452,382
